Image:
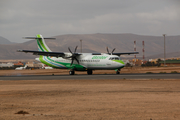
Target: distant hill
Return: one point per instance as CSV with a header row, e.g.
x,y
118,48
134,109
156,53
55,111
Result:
x,y
154,45
168,55
4,41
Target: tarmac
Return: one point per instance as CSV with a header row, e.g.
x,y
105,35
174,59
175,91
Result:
x,y
93,77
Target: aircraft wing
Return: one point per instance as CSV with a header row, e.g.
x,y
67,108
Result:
x,y
127,53
54,54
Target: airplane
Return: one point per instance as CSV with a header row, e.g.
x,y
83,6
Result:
x,y
77,61
21,68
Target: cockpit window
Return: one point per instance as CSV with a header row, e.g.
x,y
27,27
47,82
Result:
x,y
114,58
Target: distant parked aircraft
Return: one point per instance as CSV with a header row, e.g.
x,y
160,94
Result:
x,y
21,68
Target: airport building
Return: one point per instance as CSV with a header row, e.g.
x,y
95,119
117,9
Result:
x,y
34,65
173,62
6,64
19,64
136,62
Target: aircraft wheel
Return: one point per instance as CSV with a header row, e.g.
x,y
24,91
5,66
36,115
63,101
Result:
x,y
71,72
117,72
89,72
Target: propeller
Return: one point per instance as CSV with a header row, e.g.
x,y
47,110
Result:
x,y
73,57
111,52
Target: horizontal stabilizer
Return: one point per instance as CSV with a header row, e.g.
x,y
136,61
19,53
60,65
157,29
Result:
x,y
37,38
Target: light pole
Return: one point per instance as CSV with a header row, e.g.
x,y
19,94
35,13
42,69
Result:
x,y
81,45
164,50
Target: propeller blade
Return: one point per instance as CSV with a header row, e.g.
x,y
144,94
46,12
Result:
x,y
72,61
107,50
76,60
113,50
75,49
73,55
70,50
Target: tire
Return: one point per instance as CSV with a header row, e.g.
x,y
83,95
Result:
x,y
117,72
71,72
89,72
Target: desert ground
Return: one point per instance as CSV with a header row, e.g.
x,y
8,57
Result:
x,y
90,99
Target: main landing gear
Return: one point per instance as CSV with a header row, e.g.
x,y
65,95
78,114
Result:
x,y
71,72
89,72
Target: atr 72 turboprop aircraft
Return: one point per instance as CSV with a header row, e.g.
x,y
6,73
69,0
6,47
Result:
x,y
77,61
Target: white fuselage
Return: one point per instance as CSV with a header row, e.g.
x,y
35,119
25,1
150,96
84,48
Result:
x,y
94,62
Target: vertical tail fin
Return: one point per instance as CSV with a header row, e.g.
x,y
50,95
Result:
x,y
41,44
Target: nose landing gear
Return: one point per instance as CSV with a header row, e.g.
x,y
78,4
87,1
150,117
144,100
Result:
x,y
118,71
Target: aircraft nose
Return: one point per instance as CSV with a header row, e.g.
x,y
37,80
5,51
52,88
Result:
x,y
120,63
123,64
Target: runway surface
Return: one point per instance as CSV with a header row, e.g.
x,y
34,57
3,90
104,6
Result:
x,y
92,77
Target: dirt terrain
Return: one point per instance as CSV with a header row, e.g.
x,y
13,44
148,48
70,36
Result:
x,y
89,99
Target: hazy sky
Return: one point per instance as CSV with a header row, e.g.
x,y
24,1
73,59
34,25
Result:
x,y
20,18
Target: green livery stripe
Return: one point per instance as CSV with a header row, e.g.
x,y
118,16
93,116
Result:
x,y
46,63
58,62
119,61
38,36
68,65
41,43
63,65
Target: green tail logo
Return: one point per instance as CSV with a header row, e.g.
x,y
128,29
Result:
x,y
41,44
